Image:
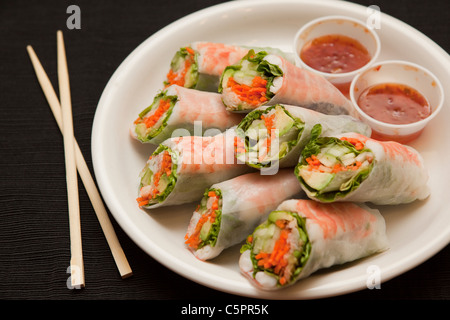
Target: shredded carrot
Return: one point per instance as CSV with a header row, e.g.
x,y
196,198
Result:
x,y
358,144
179,78
313,161
239,145
281,223
254,94
194,240
166,168
190,51
156,178
166,164
152,119
211,194
269,123
143,203
261,255
314,164
276,259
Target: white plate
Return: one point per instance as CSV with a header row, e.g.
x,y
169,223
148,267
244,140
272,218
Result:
x,y
416,231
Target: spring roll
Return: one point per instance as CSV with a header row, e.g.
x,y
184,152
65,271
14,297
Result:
x,y
200,65
181,168
278,134
303,236
267,79
182,108
353,167
231,209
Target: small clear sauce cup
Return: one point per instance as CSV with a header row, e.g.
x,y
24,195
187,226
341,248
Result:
x,y
341,25
405,73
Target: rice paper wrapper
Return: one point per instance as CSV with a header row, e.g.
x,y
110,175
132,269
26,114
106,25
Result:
x,y
196,113
398,175
306,89
201,162
330,124
338,233
246,202
287,84
213,58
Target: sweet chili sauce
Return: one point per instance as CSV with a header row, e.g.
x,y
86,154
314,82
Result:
x,y
335,53
394,103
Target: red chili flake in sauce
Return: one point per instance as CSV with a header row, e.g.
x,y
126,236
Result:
x,y
394,103
335,53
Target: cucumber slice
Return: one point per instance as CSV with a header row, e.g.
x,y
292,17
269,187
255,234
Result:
x,y
283,122
263,237
163,183
340,178
348,158
327,159
141,130
204,232
283,149
315,179
279,215
244,77
178,60
146,177
256,129
338,150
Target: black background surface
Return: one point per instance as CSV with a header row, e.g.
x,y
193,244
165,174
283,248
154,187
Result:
x,y
34,231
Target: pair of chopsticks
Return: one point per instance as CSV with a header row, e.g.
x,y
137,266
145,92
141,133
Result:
x,y
74,160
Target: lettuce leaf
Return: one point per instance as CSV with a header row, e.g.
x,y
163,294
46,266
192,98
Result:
x,y
215,227
149,135
245,124
267,70
301,256
172,177
352,185
177,63
313,148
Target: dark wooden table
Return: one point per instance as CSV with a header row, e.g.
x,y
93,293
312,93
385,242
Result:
x,y
34,231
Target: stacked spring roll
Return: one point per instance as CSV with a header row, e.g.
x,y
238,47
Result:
x,y
274,136
181,108
230,210
303,236
200,65
267,79
181,168
353,167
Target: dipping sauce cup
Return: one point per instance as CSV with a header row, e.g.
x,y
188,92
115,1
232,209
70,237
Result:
x,y
337,48
409,96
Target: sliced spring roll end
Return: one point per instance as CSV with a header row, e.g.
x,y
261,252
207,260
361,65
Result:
x,y
153,119
204,226
183,68
158,177
267,135
275,254
330,167
250,83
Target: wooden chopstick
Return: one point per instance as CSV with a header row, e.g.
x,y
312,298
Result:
x,y
83,170
76,261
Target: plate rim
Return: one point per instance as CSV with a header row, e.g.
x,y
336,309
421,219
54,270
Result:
x,y
157,252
